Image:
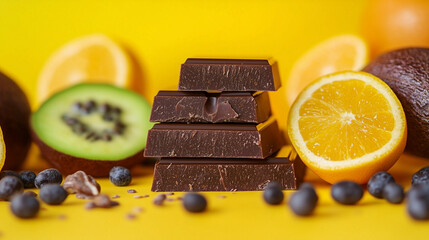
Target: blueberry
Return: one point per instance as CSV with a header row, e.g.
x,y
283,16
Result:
x,y
9,186
310,187
273,195
194,202
377,182
9,173
393,193
120,176
346,192
303,202
418,202
50,175
275,185
418,192
53,194
421,176
27,178
24,206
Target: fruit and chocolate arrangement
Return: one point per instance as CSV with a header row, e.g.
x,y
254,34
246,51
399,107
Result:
x,y
348,122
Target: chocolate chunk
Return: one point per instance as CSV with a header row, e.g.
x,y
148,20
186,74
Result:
x,y
103,201
159,200
228,75
90,205
228,174
130,216
214,140
191,107
131,191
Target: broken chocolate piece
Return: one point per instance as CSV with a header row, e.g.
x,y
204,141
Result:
x,y
101,201
189,174
228,75
131,191
130,216
194,107
159,200
214,140
90,205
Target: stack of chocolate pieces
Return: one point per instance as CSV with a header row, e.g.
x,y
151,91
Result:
x,y
217,133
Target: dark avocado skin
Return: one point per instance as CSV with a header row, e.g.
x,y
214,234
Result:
x,y
14,121
67,164
406,71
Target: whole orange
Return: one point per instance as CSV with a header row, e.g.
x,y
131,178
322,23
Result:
x,y
392,24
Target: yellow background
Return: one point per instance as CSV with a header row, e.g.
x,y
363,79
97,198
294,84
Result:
x,y
161,35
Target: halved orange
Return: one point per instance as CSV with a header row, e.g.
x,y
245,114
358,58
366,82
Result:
x,y
339,53
93,58
2,150
347,126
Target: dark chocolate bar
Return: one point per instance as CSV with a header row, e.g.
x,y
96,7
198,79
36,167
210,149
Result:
x,y
199,74
211,140
191,107
183,175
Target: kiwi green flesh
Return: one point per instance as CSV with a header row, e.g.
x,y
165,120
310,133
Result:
x,y
49,127
14,117
406,71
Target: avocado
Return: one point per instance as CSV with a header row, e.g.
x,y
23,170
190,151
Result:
x,y
14,117
406,71
92,127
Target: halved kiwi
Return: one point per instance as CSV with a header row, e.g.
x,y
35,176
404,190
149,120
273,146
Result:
x,y
92,127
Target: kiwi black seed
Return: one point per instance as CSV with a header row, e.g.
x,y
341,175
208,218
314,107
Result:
x,y
406,71
100,122
106,111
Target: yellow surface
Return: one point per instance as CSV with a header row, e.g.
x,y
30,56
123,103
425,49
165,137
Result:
x,y
240,215
161,35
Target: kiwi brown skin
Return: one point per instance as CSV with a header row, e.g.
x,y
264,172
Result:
x,y
406,71
14,120
67,164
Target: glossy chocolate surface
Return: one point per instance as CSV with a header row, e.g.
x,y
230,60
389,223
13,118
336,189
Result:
x,y
256,141
228,75
203,107
178,174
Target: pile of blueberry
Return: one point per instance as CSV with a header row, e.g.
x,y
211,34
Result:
x,y
381,185
25,204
